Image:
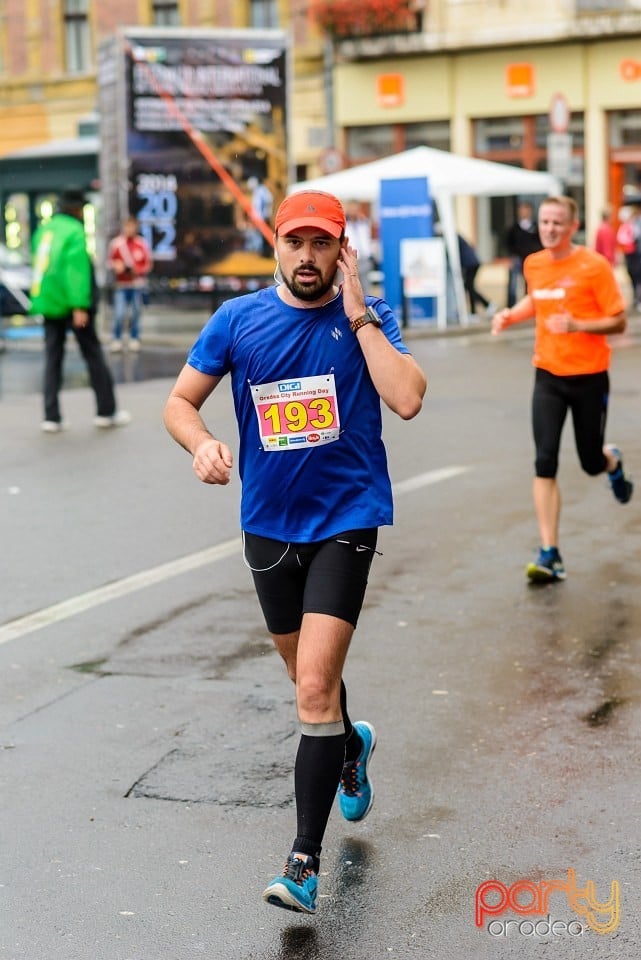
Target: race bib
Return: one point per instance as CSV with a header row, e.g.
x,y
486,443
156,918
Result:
x,y
297,414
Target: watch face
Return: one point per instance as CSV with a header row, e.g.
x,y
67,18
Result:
x,y
373,317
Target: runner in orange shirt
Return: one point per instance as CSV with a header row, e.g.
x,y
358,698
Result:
x,y
573,293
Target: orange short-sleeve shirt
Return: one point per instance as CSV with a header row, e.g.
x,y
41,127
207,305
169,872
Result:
x,y
584,285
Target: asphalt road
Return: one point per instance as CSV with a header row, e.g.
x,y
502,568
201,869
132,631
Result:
x,y
147,730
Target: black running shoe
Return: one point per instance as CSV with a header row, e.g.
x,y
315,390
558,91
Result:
x,y
621,487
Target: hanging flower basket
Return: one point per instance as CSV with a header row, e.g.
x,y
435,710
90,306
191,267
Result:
x,y
363,18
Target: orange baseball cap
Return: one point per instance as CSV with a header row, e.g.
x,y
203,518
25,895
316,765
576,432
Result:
x,y
311,208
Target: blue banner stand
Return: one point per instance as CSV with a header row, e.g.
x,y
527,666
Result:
x,y
406,212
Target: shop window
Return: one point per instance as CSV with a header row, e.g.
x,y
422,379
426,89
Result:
x,y
363,143
77,38
522,142
575,128
45,206
435,134
16,221
498,134
372,142
625,128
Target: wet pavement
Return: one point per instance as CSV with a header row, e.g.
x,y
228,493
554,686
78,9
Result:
x,y
167,335
147,731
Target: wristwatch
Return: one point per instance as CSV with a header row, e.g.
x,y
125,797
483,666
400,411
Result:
x,y
370,316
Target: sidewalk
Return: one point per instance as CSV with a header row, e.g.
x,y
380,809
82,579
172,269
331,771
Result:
x,y
176,327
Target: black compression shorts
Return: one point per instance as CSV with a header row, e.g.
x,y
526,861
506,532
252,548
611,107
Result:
x,y
328,577
586,396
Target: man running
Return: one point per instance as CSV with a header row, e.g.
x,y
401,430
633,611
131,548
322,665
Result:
x,y
574,295
310,361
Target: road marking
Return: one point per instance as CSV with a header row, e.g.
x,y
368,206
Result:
x,y
112,591
425,479
22,626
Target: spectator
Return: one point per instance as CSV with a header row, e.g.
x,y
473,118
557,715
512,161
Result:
x,y
521,239
359,234
629,239
262,202
64,293
130,259
470,264
605,241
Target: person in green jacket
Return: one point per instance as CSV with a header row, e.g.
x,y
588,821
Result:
x,y
64,294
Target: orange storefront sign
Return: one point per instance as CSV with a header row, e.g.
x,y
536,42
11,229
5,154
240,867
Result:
x,y
390,89
630,70
520,79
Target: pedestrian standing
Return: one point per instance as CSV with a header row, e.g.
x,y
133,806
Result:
x,y
470,265
64,293
129,258
629,239
310,363
358,231
262,201
605,240
521,240
574,295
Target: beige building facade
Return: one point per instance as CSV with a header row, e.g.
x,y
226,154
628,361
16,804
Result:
x,y
536,83
567,100
49,53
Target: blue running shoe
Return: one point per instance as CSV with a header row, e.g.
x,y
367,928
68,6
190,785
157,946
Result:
x,y
547,567
355,791
620,485
296,888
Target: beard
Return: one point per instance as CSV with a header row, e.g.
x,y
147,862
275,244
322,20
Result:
x,y
309,291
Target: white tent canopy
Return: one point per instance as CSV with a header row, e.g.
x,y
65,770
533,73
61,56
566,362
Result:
x,y
449,175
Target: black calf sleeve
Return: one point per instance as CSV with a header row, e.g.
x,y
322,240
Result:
x,y
319,764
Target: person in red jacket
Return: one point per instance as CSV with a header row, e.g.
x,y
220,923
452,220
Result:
x,y
129,257
605,240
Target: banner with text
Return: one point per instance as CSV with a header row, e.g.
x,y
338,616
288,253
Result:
x,y
406,212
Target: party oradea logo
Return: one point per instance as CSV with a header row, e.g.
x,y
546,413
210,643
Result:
x,y
533,902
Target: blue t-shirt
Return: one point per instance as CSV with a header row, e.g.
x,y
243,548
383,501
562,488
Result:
x,y
311,459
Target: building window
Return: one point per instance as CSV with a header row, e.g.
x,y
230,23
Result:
x,y
625,128
500,134
263,13
77,39
165,13
575,128
522,142
432,133
372,142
